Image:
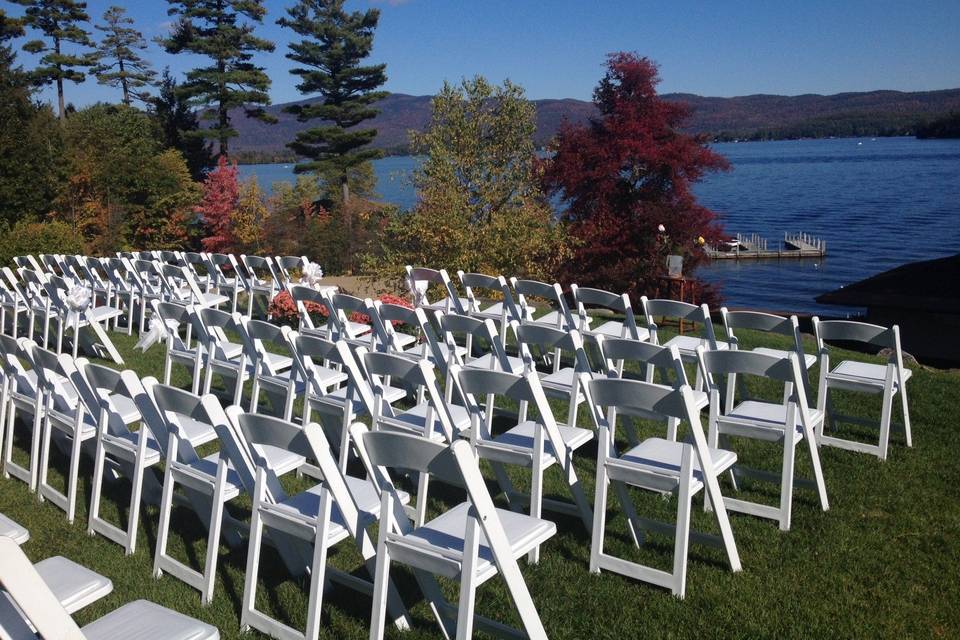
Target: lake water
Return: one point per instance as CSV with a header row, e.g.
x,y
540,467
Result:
x,y
877,203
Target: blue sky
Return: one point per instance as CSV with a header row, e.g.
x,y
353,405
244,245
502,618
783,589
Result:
x,y
556,49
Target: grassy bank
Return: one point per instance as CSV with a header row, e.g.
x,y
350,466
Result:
x,y
882,562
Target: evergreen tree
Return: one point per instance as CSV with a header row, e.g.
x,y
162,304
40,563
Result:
x,y
333,46
222,31
178,127
119,63
59,22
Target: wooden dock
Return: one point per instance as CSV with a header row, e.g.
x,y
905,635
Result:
x,y
755,247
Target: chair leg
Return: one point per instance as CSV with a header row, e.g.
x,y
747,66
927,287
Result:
x,y
422,489
468,580
906,414
213,535
163,528
786,482
253,567
536,504
40,474
885,417
378,615
136,495
74,478
681,541
318,569
599,521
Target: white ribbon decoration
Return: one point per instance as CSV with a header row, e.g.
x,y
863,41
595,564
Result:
x,y
312,274
157,332
78,300
419,290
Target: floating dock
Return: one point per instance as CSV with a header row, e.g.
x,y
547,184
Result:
x,y
755,247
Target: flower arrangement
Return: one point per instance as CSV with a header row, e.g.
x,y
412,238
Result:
x,y
283,309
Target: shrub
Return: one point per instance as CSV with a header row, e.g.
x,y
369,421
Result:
x,y
283,309
32,237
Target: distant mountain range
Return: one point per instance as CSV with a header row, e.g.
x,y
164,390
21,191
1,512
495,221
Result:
x,y
872,113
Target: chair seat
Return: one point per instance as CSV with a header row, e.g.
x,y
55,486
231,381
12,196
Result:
x,y
563,380
211,300
14,530
358,328
664,456
766,414
122,405
144,620
442,305
390,395
153,454
414,420
495,312
279,362
486,361
446,532
520,438
553,317
208,467
74,585
687,345
306,504
615,329
808,358
193,431
99,314
864,373
423,350
403,340
279,460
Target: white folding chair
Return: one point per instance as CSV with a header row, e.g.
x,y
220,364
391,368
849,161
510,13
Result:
x,y
785,423
222,281
22,393
420,279
768,323
560,317
470,543
257,279
223,357
660,465
342,307
303,526
585,297
131,453
42,615
685,344
536,443
885,380
503,312
272,370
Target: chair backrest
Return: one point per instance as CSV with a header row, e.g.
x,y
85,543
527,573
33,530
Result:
x,y
258,267
103,382
253,334
342,307
617,352
284,265
551,292
472,329
420,278
414,375
861,332
585,297
495,284
544,339
684,311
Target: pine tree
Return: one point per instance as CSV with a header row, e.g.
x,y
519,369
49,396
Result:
x,y
119,63
222,31
59,22
179,126
334,44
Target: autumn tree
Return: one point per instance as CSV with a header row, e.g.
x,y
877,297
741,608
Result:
x,y
247,222
624,173
221,30
331,53
58,22
221,194
480,206
119,63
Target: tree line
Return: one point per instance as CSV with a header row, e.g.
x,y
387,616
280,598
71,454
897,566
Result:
x,y
605,208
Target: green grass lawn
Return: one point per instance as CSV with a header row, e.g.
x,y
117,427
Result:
x,y
883,561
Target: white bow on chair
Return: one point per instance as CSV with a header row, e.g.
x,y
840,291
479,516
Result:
x,y
419,290
78,300
156,333
312,274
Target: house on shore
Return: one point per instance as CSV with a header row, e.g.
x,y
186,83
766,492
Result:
x,y
922,297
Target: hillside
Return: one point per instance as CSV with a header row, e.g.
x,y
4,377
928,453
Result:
x,y
759,116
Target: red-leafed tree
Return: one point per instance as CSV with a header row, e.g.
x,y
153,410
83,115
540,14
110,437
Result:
x,y
622,175
221,195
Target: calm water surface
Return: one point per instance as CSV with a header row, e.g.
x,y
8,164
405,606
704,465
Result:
x,y
878,203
